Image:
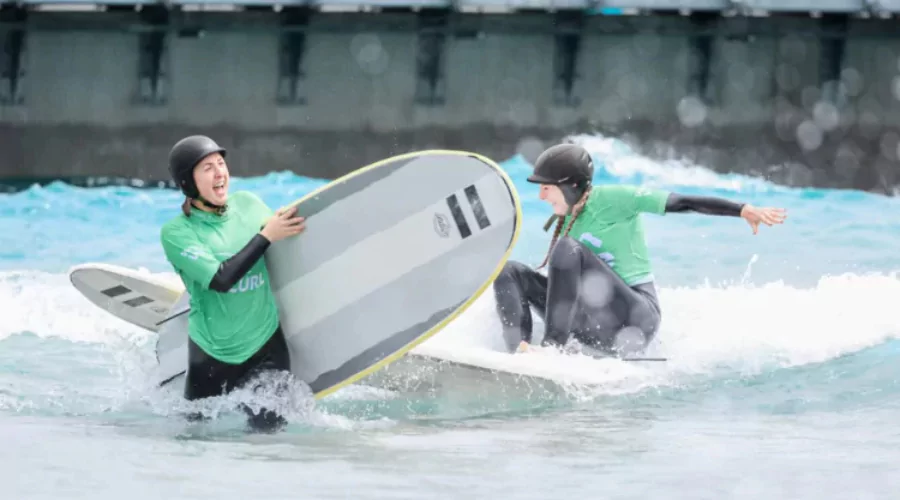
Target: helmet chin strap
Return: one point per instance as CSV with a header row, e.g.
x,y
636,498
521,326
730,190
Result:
x,y
217,209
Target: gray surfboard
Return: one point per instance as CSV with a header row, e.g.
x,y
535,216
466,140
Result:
x,y
392,253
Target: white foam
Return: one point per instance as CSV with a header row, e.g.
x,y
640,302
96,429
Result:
x,y
746,328
741,329
47,305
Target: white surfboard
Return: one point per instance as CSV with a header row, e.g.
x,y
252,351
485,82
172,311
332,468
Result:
x,y
425,368
124,288
139,298
472,373
464,371
147,301
391,254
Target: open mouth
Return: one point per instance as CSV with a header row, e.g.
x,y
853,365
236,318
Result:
x,y
219,188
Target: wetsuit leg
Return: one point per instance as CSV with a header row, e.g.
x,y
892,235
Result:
x,y
273,357
516,288
587,299
208,377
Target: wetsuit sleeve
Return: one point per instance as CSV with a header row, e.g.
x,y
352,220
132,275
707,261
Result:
x,y
232,270
190,257
703,204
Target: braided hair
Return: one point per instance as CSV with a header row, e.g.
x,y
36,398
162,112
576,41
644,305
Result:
x,y
576,211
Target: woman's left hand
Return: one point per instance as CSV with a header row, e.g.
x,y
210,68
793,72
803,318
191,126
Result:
x,y
765,215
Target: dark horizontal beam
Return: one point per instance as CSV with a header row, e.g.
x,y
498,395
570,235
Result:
x,y
458,25
606,7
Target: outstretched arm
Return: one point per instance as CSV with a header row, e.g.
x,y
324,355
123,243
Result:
x,y
719,206
703,204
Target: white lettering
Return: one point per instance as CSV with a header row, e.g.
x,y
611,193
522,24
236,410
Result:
x,y
598,244
248,283
194,253
593,240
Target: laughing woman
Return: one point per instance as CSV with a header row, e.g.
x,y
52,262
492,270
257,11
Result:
x,y
216,246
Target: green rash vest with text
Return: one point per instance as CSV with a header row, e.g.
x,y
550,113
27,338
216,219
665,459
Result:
x,y
610,225
229,326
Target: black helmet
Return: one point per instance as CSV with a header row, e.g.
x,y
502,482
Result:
x,y
185,155
568,166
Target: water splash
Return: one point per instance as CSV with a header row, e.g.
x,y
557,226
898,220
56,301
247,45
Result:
x,y
810,292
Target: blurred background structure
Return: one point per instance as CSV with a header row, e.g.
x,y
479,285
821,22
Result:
x,y
803,92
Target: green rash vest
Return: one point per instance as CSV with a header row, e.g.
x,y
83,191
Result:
x,y
230,326
610,225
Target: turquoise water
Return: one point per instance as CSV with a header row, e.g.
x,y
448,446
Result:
x,y
783,379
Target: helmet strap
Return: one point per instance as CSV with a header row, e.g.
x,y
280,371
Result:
x,y
217,209
550,222
195,196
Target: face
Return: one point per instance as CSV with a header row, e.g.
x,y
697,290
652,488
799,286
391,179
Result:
x,y
554,196
211,176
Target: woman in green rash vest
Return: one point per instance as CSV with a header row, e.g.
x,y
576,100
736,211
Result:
x,y
599,286
216,246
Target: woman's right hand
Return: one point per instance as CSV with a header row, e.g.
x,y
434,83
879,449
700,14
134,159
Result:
x,y
283,224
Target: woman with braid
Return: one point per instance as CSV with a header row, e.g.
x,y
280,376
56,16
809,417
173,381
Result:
x,y
599,286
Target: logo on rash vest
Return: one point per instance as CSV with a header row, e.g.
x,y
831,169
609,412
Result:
x,y
597,243
194,253
248,283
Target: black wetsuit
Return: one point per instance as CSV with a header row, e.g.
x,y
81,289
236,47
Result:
x,y
207,376
602,314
